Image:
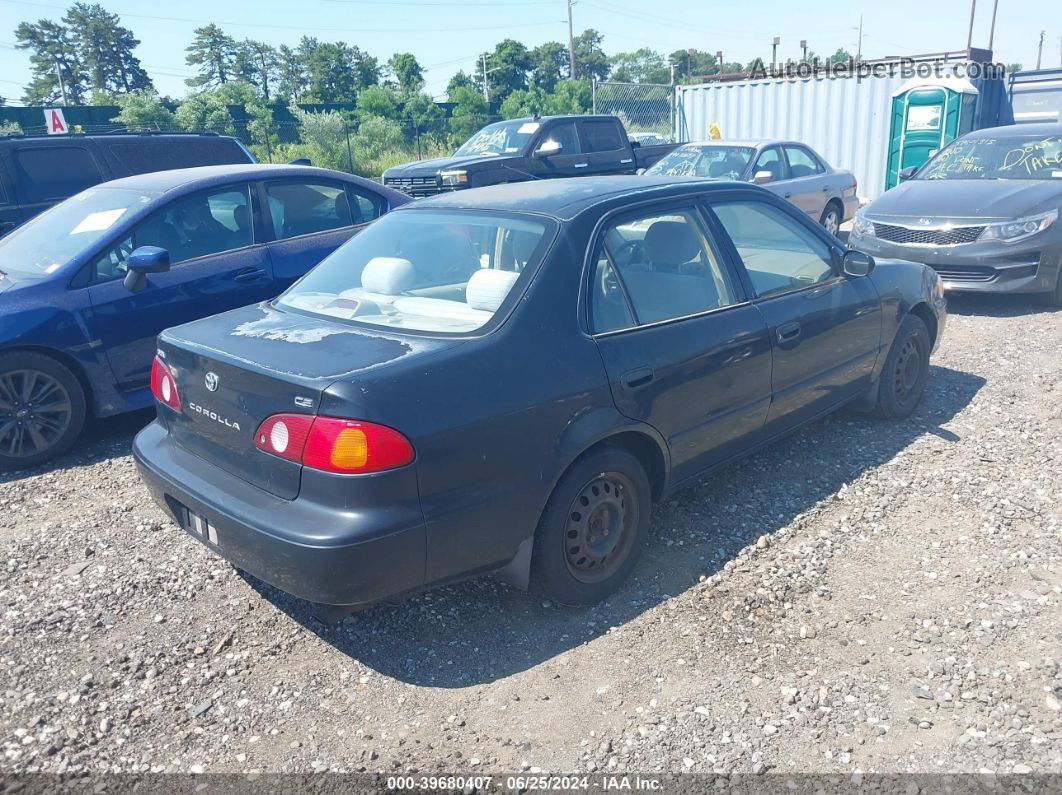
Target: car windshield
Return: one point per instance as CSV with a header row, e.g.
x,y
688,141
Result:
x,y
693,160
503,138
50,240
425,270
1005,157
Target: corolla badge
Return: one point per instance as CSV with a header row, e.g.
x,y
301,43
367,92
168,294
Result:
x,y
211,382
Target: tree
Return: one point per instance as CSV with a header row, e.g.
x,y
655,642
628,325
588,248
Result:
x,y
469,113
206,110
106,50
256,63
692,63
549,64
377,102
507,69
459,80
336,71
590,60
291,73
407,72
640,66
143,110
58,72
521,103
325,136
424,117
571,96
214,52
841,56
1013,67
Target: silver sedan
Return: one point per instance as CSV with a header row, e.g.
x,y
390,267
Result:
x,y
790,169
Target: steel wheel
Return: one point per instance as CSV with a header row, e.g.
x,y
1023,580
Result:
x,y
35,412
831,220
600,527
908,371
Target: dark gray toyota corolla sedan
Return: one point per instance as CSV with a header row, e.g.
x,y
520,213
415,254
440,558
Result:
x,y
505,379
983,213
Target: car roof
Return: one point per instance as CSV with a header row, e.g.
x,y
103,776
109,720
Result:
x,y
567,198
206,176
750,142
1040,128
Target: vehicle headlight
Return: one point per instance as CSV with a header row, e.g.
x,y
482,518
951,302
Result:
x,y
862,226
1020,228
458,177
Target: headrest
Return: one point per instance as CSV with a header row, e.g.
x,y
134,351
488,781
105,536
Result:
x,y
387,275
671,243
487,288
718,168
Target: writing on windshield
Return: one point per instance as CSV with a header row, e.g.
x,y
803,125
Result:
x,y
998,158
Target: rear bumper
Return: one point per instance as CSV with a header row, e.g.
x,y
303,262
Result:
x,y
978,267
350,555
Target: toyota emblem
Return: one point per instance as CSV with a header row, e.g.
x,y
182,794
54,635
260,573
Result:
x,y
211,382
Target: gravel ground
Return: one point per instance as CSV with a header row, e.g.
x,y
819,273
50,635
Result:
x,y
863,596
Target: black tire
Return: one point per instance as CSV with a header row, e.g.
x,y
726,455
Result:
x,y
832,218
610,532
903,378
42,409
1053,298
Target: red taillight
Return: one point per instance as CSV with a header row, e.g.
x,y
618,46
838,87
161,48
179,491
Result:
x,y
163,384
332,444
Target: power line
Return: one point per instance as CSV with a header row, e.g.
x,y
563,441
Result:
x,y
302,28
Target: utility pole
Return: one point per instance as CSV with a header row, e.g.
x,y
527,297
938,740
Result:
x,y
969,37
774,52
992,30
859,44
804,47
1040,50
689,63
719,60
486,91
62,86
571,42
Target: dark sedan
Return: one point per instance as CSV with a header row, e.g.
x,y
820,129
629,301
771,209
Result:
x,y
86,286
506,379
983,213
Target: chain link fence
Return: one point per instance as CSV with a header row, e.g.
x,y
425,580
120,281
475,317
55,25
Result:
x,y
645,108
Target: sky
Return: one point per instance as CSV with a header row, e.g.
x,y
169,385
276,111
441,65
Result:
x,y
447,36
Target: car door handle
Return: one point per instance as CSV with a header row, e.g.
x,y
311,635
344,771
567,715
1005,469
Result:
x,y
632,379
825,190
249,275
788,332
788,195
581,165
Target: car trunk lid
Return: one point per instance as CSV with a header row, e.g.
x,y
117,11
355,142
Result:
x,y
234,370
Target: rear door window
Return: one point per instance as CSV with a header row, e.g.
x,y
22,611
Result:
x,y
47,173
305,208
801,162
567,136
602,136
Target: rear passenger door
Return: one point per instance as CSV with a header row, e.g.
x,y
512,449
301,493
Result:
x,y
46,174
825,327
684,350
10,217
807,181
216,265
309,219
607,148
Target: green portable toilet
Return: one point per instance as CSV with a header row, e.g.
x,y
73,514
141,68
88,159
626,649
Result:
x,y
927,113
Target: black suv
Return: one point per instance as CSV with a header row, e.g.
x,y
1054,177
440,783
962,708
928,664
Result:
x,y
39,171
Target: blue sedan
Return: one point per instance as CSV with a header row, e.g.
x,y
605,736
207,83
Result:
x,y
86,286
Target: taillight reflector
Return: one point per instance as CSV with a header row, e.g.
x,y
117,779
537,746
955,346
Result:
x,y
333,444
163,384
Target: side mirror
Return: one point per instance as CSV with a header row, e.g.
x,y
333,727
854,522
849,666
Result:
x,y
548,148
145,260
907,173
762,177
300,161
856,263
640,171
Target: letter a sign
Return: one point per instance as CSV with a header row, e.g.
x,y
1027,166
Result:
x,y
54,121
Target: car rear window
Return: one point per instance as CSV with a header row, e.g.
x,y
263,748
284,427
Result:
x,y
431,271
46,173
